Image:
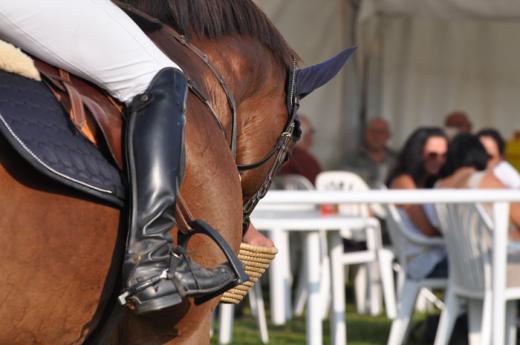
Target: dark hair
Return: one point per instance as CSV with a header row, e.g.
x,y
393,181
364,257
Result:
x,y
496,136
217,18
410,158
465,150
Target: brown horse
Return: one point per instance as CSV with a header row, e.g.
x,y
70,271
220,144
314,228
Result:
x,y
60,248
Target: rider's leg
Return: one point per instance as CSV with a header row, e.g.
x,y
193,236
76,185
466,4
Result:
x,y
96,40
91,38
155,165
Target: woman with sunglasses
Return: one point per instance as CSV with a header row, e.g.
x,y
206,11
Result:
x,y
418,166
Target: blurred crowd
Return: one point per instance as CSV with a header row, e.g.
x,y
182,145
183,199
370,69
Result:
x,y
453,156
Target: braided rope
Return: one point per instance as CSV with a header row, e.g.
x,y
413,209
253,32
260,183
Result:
x,y
256,260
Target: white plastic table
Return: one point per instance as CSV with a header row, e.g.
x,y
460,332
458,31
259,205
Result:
x,y
500,199
278,223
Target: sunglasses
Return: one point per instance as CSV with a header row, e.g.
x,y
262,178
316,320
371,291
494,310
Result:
x,y
435,155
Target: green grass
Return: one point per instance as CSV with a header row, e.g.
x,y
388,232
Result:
x,y
361,330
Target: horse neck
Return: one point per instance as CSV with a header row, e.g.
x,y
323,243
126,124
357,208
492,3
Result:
x,y
258,81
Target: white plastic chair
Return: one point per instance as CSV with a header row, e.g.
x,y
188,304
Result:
x,y
408,289
376,261
467,229
294,182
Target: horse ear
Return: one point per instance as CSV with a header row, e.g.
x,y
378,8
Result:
x,y
312,77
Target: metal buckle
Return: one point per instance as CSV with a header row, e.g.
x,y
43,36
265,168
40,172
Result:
x,y
122,297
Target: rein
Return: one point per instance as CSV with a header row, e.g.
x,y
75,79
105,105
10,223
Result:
x,y
199,93
281,146
140,16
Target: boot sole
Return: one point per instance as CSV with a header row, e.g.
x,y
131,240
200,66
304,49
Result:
x,y
158,303
206,296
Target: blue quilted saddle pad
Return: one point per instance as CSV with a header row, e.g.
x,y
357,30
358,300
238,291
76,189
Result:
x,y
38,128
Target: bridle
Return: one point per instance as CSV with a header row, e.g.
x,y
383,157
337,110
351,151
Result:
x,y
289,133
280,149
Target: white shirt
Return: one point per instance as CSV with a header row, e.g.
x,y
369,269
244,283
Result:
x,y
421,260
507,174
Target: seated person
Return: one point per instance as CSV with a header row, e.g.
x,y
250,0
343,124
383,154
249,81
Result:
x,y
302,161
457,122
418,166
466,167
495,147
373,161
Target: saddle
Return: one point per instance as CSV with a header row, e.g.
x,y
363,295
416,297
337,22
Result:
x,y
98,116
95,114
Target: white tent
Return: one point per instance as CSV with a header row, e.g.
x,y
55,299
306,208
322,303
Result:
x,y
418,60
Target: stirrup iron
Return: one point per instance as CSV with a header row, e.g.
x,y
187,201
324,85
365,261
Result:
x,y
200,227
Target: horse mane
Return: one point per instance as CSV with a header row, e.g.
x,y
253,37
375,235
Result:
x,y
213,19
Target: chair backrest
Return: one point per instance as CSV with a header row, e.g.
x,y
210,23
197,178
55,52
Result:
x,y
289,182
294,182
396,230
344,181
401,236
467,230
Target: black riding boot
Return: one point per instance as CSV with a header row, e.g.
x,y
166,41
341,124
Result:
x,y
158,274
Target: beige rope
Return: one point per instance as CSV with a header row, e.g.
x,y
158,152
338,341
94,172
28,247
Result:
x,y
256,260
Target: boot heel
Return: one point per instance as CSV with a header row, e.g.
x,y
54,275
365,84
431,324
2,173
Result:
x,y
158,303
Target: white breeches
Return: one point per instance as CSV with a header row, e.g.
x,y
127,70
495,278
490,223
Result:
x,y
91,38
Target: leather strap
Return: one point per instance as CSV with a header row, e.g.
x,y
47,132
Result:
x,y
184,216
77,96
110,127
77,111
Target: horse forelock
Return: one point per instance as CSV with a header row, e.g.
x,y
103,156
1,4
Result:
x,y
215,19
